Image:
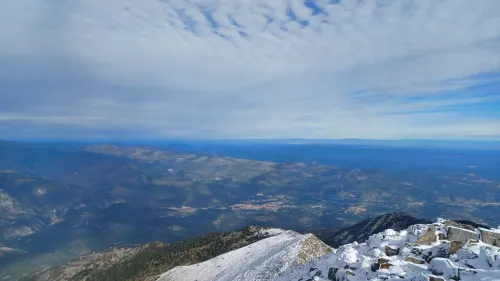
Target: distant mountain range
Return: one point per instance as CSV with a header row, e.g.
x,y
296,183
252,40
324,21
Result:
x,y
415,143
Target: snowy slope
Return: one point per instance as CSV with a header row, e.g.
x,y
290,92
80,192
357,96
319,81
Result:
x,y
262,260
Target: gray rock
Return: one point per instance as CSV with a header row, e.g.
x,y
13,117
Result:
x,y
439,251
490,237
414,260
461,235
391,250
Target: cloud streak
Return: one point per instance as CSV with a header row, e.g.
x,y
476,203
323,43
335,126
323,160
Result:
x,y
244,69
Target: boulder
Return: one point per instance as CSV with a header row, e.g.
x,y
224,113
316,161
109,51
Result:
x,y
380,264
435,278
414,260
386,266
490,237
461,234
455,246
391,250
439,251
428,238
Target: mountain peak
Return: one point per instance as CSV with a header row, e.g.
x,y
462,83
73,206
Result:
x,y
262,260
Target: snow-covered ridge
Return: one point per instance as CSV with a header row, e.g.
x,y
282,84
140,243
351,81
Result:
x,y
442,251
262,260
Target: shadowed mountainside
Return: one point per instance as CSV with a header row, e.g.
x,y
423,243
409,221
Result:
x,y
335,237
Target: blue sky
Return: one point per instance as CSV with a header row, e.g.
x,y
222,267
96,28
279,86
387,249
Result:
x,y
381,69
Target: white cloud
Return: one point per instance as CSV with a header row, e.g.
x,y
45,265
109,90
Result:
x,y
207,68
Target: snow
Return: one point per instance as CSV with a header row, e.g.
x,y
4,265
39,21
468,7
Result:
x,y
478,255
463,229
262,260
277,259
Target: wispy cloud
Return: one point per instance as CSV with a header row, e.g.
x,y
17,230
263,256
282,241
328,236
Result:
x,y
284,68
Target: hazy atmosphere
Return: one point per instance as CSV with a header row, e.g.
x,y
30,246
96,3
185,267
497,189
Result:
x,y
380,69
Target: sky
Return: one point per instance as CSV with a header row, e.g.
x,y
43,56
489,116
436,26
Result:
x,y
160,69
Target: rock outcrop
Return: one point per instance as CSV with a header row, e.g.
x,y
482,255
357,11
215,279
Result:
x,y
461,234
428,238
490,237
410,255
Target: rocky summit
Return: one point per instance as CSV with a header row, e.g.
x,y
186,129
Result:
x,y
423,252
